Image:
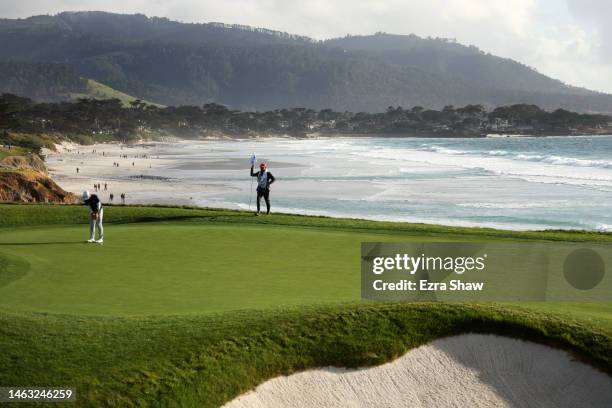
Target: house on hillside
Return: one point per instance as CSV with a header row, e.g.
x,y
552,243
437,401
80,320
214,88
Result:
x,y
499,124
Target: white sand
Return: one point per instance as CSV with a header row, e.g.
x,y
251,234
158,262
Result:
x,y
462,371
142,182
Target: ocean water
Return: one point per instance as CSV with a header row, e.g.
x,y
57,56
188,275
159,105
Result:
x,y
513,183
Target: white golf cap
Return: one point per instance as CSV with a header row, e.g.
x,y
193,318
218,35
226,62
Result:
x,y
85,195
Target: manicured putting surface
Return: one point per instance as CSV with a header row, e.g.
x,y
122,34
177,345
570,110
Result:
x,y
164,268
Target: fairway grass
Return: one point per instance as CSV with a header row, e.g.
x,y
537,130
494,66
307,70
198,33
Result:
x,y
191,307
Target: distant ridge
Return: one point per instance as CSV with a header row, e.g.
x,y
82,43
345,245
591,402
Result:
x,y
173,63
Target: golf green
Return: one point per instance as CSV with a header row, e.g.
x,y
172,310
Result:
x,y
174,268
192,307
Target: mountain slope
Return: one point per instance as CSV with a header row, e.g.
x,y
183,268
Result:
x,y
97,90
53,82
445,57
40,81
169,62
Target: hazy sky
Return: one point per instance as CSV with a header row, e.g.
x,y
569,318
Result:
x,y
565,39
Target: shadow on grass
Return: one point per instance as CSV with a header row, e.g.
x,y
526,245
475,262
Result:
x,y
137,220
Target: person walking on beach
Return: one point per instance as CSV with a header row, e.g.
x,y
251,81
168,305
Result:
x,y
264,180
96,212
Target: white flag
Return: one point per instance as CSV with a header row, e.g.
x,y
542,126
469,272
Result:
x,y
253,160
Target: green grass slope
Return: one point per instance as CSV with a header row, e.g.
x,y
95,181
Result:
x,y
98,90
208,359
190,307
13,151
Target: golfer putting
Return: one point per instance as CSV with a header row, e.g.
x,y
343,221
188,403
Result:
x,y
96,212
264,180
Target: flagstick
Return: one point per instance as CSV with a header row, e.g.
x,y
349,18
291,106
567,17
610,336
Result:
x,y
253,161
251,195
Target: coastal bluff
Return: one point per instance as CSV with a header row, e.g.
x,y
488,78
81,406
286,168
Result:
x,y
25,179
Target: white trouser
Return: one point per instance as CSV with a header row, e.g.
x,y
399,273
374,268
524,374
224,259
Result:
x,y
93,223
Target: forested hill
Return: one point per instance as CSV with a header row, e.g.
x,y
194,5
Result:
x,y
173,63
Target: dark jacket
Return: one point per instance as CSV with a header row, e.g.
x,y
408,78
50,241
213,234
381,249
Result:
x,y
271,178
94,203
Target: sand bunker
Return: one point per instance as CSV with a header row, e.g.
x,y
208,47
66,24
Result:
x,y
470,370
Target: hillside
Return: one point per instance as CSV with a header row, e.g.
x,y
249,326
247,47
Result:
x,y
173,63
45,82
97,90
450,59
53,82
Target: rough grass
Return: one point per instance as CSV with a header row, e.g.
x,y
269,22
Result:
x,y
13,151
17,215
205,359
29,142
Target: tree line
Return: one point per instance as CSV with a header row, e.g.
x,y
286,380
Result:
x,y
88,120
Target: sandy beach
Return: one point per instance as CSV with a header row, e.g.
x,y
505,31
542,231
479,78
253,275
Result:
x,y
510,183
134,170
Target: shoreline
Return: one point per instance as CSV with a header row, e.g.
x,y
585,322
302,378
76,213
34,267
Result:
x,y
120,169
150,179
399,135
